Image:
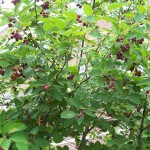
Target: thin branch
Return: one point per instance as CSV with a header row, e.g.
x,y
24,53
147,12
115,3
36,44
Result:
x,y
139,147
86,131
36,12
62,67
93,4
146,127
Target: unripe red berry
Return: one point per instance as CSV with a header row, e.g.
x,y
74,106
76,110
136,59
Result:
x,y
13,77
13,69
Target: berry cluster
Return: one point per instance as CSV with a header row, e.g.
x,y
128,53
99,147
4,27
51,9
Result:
x,y
110,82
80,21
2,71
125,47
16,36
78,5
45,5
138,73
120,55
45,87
139,41
17,73
15,1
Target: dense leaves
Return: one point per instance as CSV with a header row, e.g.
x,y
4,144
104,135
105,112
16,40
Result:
x,y
62,74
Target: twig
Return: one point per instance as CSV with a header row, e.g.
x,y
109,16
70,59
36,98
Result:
x,y
146,127
36,12
86,131
139,147
62,67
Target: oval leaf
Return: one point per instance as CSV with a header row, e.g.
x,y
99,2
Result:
x,y
68,114
88,10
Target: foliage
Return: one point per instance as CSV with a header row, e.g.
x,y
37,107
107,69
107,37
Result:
x,y
106,90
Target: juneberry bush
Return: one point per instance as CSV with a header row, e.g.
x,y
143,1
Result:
x,y
63,74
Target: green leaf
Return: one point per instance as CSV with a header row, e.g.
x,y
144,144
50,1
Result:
x,y
119,86
90,113
115,6
16,127
135,98
19,137
95,34
141,9
22,146
4,63
42,142
73,69
88,10
28,72
57,137
144,83
68,114
138,17
5,143
56,95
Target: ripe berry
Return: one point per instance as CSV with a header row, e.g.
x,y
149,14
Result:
x,y
45,15
10,25
2,72
112,85
84,24
80,21
138,73
45,5
17,36
80,115
12,19
80,6
19,74
79,16
120,55
70,77
120,39
25,41
139,41
105,89
133,39
125,47
15,1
